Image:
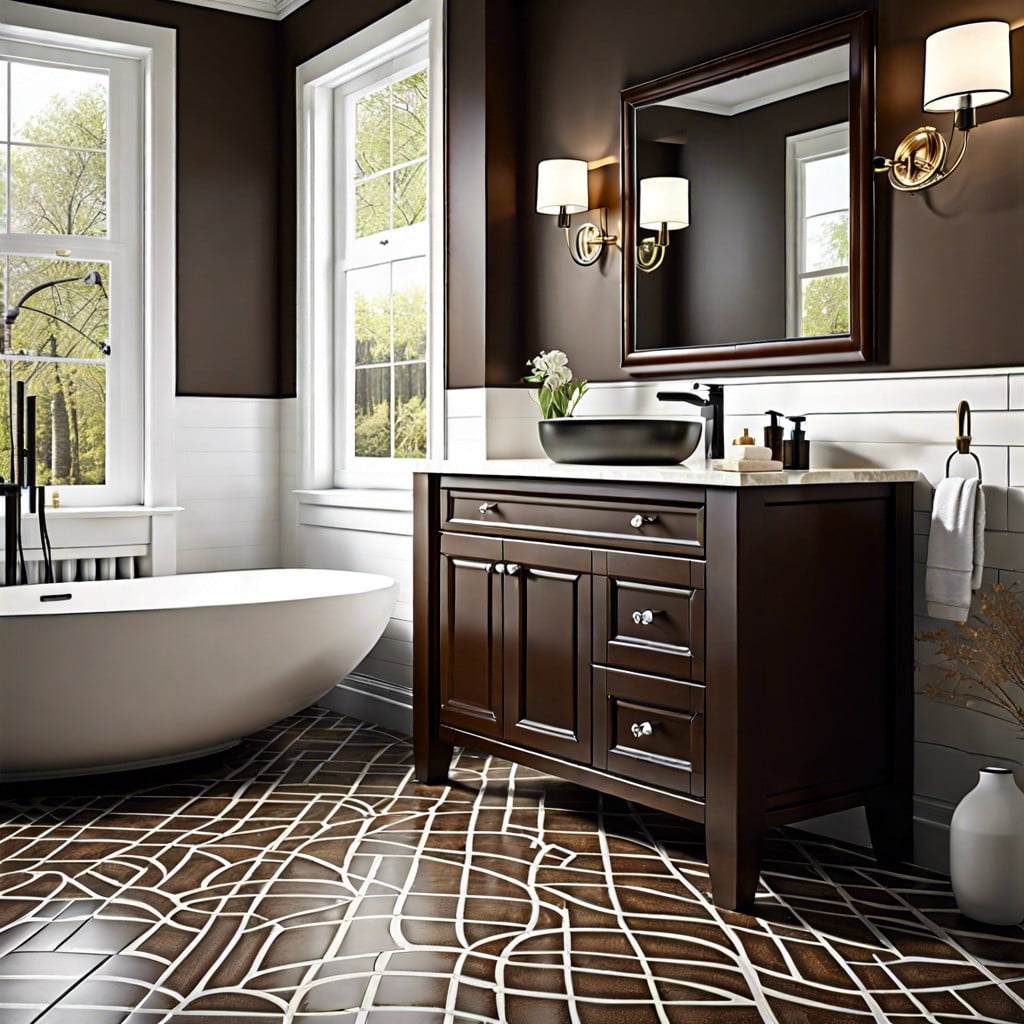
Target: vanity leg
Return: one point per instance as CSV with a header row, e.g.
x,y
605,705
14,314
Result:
x,y
734,863
433,759
891,825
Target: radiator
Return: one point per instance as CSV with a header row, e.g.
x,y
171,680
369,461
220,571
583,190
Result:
x,y
70,570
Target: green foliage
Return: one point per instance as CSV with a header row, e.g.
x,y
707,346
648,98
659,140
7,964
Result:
x,y
376,316
62,190
390,156
373,432
826,300
411,429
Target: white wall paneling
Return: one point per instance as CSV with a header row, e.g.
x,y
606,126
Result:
x,y
367,531
228,460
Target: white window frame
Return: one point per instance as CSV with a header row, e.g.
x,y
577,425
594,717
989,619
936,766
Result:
x,y
801,149
324,388
140,460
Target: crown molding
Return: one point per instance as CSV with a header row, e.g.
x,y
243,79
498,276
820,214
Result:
x,y
276,10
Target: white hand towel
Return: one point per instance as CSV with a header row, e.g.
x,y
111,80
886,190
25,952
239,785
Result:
x,y
956,548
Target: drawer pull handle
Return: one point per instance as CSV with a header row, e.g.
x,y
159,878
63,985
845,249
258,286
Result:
x,y
511,569
645,617
488,506
641,729
638,521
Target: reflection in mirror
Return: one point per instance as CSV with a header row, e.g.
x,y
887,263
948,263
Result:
x,y
766,251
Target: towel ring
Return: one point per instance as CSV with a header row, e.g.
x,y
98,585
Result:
x,y
963,438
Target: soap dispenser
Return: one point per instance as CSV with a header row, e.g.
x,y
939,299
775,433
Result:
x,y
796,452
774,434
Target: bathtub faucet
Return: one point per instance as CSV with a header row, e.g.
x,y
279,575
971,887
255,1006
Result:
x,y
12,531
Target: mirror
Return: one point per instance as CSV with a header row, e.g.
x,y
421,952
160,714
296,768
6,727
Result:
x,y
747,211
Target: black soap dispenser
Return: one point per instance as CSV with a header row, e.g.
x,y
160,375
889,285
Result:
x,y
773,435
796,452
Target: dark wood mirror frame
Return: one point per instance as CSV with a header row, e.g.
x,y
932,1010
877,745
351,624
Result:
x,y
857,346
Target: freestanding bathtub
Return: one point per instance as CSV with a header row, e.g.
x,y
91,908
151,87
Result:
x,y
126,673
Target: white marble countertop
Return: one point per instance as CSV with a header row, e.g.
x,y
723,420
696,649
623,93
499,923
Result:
x,y
695,472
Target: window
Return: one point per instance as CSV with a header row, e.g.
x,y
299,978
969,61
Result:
x,y
383,248
371,383
818,225
71,167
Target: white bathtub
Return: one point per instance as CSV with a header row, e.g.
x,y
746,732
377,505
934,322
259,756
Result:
x,y
133,672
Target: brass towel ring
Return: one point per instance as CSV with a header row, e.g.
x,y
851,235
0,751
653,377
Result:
x,y
963,437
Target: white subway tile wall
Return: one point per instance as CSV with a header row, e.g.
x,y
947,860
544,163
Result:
x,y
229,483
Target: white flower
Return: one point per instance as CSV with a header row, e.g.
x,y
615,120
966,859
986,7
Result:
x,y
558,377
553,366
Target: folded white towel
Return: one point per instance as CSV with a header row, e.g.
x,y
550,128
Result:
x,y
956,548
749,451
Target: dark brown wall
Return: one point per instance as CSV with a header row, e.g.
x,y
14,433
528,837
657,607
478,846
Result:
x,y
956,255
228,168
482,231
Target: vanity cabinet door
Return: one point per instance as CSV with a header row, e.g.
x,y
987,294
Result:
x,y
470,616
547,646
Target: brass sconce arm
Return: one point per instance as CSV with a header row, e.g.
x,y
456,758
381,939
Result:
x,y
590,240
650,252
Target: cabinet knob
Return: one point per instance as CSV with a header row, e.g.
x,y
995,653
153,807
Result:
x,y
499,568
644,618
641,729
638,521
511,569
488,506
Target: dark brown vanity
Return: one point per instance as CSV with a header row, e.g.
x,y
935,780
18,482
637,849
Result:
x,y
739,655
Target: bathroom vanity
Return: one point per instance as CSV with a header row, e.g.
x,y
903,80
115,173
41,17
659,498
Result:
x,y
733,650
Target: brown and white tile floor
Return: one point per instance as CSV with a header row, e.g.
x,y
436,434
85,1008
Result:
x,y
305,877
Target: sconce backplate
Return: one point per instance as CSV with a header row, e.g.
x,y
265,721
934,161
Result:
x,y
919,160
588,244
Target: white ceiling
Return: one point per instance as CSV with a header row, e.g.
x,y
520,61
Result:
x,y
276,9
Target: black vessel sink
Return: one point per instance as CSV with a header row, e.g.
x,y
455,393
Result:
x,y
619,441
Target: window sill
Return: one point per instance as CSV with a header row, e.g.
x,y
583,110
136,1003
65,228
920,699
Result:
x,y
358,497
105,511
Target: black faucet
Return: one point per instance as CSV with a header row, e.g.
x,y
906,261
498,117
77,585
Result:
x,y
712,409
11,494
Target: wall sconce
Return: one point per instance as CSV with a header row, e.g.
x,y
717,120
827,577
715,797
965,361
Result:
x,y
664,207
562,190
965,67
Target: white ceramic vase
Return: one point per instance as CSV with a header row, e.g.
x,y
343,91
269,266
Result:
x,y
986,850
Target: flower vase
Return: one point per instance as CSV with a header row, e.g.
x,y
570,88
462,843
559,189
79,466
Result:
x,y
986,850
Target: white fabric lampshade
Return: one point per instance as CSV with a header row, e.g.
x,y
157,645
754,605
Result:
x,y
562,183
664,201
967,60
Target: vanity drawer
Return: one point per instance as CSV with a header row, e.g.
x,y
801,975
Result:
x,y
650,627
571,519
650,729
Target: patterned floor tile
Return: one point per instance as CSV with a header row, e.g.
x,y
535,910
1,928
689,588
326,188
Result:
x,y
305,877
